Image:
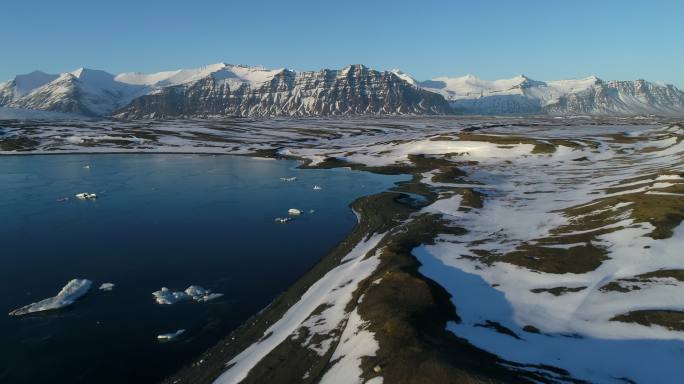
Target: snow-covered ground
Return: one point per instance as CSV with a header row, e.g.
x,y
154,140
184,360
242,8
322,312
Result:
x,y
333,291
530,200
23,114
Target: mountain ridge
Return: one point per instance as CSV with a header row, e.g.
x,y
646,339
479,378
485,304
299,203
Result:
x,y
223,89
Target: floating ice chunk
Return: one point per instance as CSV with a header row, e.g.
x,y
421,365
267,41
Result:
x,y
294,212
86,196
67,296
195,292
293,178
86,166
208,297
63,199
106,286
170,336
167,297
282,220
200,294
312,211
317,187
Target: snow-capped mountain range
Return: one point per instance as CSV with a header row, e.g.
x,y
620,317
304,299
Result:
x,y
591,96
235,90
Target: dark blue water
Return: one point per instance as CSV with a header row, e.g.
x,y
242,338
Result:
x,y
160,220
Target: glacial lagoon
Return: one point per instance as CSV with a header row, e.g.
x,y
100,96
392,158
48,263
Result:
x,y
159,220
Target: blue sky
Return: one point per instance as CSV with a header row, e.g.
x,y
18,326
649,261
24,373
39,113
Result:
x,y
491,39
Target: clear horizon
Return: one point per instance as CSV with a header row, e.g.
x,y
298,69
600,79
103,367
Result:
x,y
613,40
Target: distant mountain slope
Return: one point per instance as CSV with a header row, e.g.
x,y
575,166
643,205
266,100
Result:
x,y
243,91
83,91
592,96
235,90
90,92
23,84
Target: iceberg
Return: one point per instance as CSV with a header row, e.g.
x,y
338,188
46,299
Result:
x,y
208,297
86,196
196,291
293,178
294,212
282,220
166,296
67,296
317,187
170,336
106,286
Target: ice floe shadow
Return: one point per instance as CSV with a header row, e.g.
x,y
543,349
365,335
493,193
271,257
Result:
x,y
593,359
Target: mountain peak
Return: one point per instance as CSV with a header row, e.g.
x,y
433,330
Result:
x,y
469,76
404,76
593,78
354,68
82,73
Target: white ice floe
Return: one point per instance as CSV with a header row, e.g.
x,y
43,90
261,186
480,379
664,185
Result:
x,y
317,187
171,335
166,296
106,286
294,212
67,296
283,220
293,178
86,196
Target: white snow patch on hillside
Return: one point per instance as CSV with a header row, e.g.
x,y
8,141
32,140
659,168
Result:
x,y
356,342
334,290
169,78
469,87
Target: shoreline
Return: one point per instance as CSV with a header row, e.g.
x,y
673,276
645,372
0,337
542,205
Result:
x,y
419,346
421,316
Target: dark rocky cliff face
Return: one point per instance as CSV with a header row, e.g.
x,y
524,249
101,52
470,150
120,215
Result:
x,y
351,91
